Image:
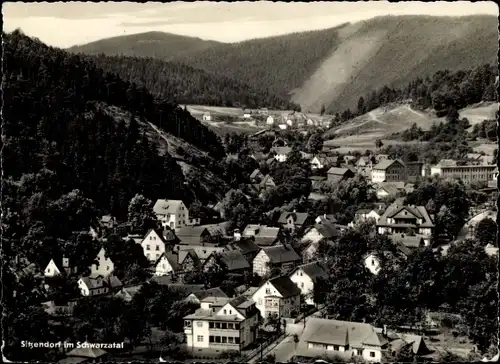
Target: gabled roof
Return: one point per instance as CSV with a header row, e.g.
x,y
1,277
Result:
x,y
285,286
386,163
246,246
327,229
158,232
281,254
211,292
183,254
234,260
397,210
162,207
298,217
337,171
314,270
171,258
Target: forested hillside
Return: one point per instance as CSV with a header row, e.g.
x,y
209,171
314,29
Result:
x,y
333,67
186,85
69,126
151,44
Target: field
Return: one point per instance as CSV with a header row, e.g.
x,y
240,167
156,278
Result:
x,y
479,112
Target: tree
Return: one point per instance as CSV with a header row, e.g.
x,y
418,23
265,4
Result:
x,y
140,214
322,112
361,106
378,143
486,231
315,143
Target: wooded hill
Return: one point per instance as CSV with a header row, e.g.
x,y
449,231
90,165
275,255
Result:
x,y
69,125
187,85
329,67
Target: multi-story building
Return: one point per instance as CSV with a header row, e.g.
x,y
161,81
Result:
x,y
401,219
468,174
173,213
279,256
305,276
230,327
389,170
278,297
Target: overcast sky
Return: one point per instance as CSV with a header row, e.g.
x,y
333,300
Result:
x,y
74,23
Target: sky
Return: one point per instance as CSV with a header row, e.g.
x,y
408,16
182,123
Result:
x,y
65,24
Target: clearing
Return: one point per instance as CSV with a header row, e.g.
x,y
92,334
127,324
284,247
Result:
x,y
479,112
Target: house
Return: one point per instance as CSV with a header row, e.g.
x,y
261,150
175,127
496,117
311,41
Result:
x,y
85,353
267,182
280,256
398,219
387,190
94,286
388,170
247,113
262,235
202,295
363,215
304,277
278,297
256,176
364,166
373,261
108,221
414,170
53,269
233,260
281,153
270,120
103,265
231,327
316,182
415,342
166,264
128,293
246,246
468,174
321,231
206,234
207,116
336,175
188,260
334,338
293,221
202,252
172,213
348,159
282,126
155,243
326,218
309,253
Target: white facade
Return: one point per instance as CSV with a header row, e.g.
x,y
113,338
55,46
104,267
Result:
x,y
270,120
177,215
271,303
88,291
163,267
313,236
378,175
207,117
305,284
153,246
51,270
104,266
282,126
316,163
260,264
280,157
226,329
372,263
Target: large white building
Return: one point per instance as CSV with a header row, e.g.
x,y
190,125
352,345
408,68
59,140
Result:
x,y
230,327
173,213
278,297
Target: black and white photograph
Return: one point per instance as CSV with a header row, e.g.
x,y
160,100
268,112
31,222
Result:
x,y
249,182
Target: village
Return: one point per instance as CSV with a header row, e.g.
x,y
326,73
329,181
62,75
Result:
x,y
272,308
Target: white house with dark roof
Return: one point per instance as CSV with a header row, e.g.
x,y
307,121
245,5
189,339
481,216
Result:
x,y
263,235
207,116
305,275
128,293
292,221
166,264
270,120
363,215
334,338
94,286
320,161
280,256
388,170
399,219
335,175
281,153
103,266
278,297
173,213
201,295
54,269
154,244
321,231
230,327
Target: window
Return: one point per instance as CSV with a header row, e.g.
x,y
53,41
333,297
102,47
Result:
x,y
268,290
373,262
147,247
225,312
230,312
217,339
236,340
211,339
217,325
230,340
150,238
224,340
230,326
157,247
223,326
199,338
211,326
107,268
335,347
236,326
187,323
301,284
199,323
372,354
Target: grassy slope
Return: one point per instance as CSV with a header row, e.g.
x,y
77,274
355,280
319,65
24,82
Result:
x,y
151,44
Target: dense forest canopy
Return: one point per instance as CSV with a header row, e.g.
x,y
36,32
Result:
x,y
186,85
61,125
